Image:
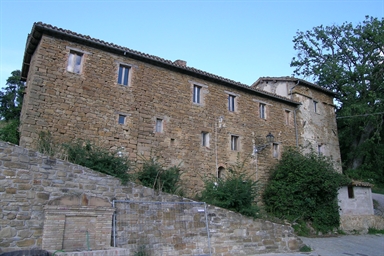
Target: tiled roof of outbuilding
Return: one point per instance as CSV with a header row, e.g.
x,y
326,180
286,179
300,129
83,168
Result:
x,y
40,28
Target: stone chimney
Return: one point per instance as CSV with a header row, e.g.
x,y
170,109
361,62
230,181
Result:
x,y
182,63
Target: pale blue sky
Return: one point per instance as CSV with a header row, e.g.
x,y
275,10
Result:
x,y
239,40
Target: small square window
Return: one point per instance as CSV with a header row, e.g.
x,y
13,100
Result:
x,y
196,94
234,142
74,62
123,76
205,139
121,119
231,103
159,125
262,113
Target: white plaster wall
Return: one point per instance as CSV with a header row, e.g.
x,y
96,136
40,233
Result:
x,y
361,204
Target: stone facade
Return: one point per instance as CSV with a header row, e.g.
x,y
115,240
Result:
x,y
37,192
166,109
315,118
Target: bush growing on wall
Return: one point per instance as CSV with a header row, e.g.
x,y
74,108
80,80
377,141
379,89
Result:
x,y
152,174
88,155
98,159
236,191
303,188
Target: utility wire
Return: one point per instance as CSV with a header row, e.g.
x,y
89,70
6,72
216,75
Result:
x,y
379,113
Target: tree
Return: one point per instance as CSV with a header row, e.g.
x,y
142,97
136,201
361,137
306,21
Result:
x,y
11,100
303,188
349,60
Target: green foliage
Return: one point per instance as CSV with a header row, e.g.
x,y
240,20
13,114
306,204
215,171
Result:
x,y
47,146
142,251
348,60
10,131
304,188
152,174
378,189
88,155
301,228
305,248
373,231
236,191
98,159
11,100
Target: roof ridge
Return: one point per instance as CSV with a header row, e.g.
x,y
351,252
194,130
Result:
x,y
67,32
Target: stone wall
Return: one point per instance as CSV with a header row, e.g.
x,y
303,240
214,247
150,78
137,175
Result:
x,y
88,105
30,182
316,125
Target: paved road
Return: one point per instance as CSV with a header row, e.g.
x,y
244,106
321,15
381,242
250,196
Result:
x,y
361,245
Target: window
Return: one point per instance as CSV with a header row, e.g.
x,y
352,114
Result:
x,y
351,193
275,150
231,103
234,142
205,139
320,149
196,94
123,76
315,106
74,62
159,125
262,111
221,172
287,114
121,119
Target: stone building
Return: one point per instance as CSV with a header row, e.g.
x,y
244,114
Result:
x,y
143,105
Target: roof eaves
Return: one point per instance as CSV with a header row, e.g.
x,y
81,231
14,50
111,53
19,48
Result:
x,y
40,28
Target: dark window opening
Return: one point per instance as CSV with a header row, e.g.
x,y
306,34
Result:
x,y
351,192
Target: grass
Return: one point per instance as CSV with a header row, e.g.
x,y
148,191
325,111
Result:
x,y
373,231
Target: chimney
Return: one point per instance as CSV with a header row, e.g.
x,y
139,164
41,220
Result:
x,y
182,63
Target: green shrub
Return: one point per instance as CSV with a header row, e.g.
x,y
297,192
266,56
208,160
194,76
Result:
x,y
142,251
305,248
304,187
10,131
152,174
373,231
98,159
236,191
47,146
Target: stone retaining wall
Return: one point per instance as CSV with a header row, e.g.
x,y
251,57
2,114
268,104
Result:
x,y
30,180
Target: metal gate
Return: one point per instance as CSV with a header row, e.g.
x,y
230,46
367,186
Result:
x,y
161,228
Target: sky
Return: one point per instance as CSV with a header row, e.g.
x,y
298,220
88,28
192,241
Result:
x,y
239,40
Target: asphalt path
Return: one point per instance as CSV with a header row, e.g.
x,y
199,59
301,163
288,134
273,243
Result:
x,y
346,245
